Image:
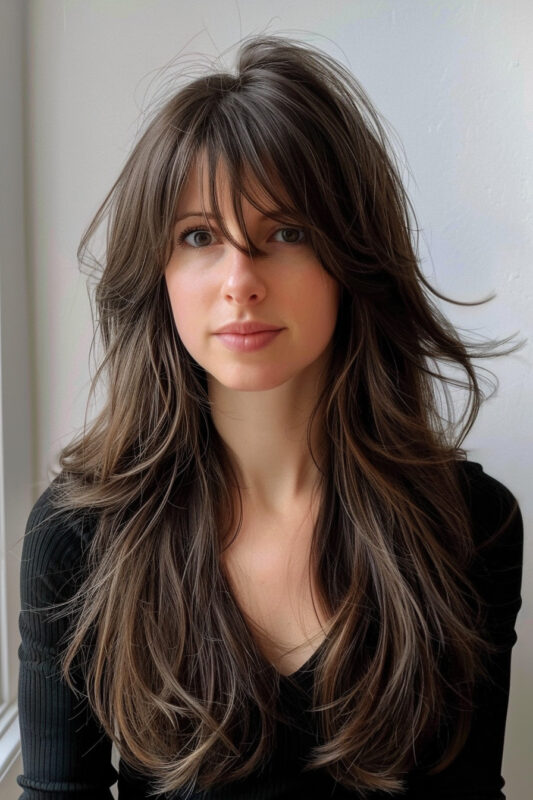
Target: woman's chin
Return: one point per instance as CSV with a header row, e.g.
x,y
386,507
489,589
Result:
x,y
248,382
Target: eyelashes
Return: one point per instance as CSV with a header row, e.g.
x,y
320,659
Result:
x,y
201,229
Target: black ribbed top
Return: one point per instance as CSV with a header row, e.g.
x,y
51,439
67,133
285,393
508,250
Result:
x,y
66,755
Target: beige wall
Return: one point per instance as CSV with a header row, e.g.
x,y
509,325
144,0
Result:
x,y
16,491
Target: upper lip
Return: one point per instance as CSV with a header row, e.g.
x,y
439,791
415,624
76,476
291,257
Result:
x,y
247,327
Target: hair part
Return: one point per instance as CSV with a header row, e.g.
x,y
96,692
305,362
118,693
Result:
x,y
392,542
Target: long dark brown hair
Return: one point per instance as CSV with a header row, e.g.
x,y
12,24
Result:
x,y
170,666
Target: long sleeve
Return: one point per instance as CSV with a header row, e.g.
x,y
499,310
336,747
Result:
x,y
476,773
65,753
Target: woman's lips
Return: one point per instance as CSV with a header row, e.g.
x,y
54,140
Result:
x,y
246,342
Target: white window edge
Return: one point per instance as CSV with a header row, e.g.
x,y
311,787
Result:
x,y
15,478
9,739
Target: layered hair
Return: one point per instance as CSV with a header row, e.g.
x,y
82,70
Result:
x,y
170,664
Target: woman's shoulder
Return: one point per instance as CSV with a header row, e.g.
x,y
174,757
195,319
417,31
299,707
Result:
x,y
497,530
55,538
494,509
479,480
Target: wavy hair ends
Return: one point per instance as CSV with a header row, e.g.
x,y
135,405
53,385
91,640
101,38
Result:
x,y
392,539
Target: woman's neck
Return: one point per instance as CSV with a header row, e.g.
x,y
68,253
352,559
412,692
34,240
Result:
x,y
265,433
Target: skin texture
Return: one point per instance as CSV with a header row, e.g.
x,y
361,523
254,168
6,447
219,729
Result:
x,y
261,400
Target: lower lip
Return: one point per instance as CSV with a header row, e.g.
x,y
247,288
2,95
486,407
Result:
x,y
245,343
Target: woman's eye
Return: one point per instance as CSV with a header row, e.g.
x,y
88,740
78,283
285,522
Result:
x,y
295,236
196,238
292,231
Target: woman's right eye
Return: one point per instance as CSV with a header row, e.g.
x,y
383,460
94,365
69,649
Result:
x,y
188,232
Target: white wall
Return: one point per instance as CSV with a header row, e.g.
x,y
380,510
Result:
x,y
454,79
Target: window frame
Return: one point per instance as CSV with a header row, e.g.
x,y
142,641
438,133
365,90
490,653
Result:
x,y
17,493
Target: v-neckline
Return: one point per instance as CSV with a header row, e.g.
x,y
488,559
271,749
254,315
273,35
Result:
x,y
305,666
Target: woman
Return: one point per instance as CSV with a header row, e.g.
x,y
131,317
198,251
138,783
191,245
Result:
x,y
267,569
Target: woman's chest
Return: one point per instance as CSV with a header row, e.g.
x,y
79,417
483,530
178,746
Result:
x,y
271,583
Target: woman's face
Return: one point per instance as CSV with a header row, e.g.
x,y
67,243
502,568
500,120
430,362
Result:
x,y
210,284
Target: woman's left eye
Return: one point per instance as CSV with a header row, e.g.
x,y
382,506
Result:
x,y
292,231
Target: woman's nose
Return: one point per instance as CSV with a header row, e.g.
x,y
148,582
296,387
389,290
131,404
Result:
x,y
242,280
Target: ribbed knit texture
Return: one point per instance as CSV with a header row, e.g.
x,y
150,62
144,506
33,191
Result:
x,y
66,754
